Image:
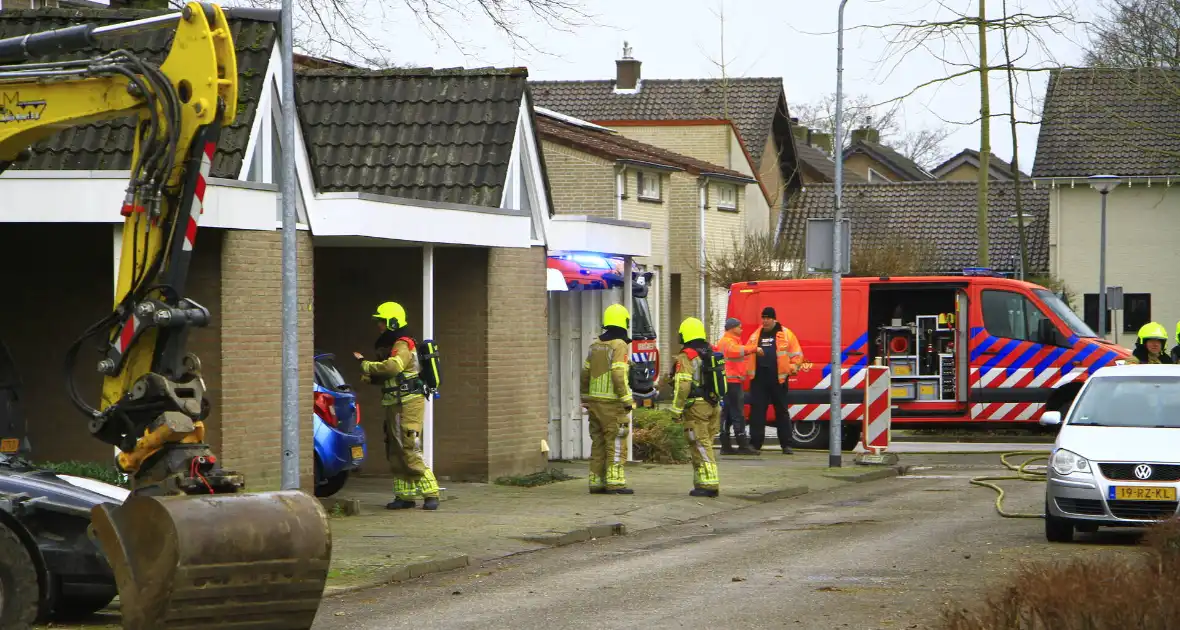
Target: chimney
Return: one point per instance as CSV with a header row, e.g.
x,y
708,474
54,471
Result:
x,y
822,141
867,133
626,70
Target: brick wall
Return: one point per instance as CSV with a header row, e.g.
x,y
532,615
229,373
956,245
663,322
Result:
x,y
683,242
658,216
518,361
710,143
251,356
580,183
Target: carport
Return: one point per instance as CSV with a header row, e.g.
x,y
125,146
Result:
x,y
575,319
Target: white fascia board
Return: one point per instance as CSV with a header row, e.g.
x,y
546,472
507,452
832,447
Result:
x,y
261,113
612,237
351,214
530,158
97,196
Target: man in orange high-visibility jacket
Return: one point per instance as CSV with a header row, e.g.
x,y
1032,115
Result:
x,y
778,357
735,353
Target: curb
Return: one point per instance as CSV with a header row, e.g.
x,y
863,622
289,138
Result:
x,y
578,535
773,495
871,475
977,439
403,573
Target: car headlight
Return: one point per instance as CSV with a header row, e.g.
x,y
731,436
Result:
x,y
1065,462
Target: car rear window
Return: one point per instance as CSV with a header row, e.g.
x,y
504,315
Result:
x,y
327,374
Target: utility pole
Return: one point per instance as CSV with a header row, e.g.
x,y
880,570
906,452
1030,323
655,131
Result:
x,y
290,391
835,435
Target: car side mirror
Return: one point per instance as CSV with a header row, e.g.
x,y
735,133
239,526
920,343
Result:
x,y
1050,418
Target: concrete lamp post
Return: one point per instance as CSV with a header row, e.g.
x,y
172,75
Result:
x,y
1103,184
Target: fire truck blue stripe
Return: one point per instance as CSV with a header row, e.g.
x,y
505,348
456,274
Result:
x,y
860,341
1023,359
1000,355
983,345
1106,359
1048,361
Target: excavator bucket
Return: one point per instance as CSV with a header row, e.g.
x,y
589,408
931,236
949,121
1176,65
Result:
x,y
227,561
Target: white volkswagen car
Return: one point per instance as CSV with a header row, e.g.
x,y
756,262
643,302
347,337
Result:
x,y
1116,462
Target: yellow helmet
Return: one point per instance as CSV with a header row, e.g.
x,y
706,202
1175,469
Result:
x,y
691,329
616,315
392,314
1153,330
1177,332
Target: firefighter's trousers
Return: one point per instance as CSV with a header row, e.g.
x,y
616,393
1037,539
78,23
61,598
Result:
x,y
701,422
609,427
403,449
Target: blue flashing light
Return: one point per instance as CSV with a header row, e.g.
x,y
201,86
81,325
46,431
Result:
x,y
978,271
593,261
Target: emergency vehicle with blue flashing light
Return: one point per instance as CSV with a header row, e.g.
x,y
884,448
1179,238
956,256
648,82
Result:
x,y
588,271
977,350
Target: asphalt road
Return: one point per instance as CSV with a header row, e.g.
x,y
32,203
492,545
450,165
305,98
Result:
x,y
886,554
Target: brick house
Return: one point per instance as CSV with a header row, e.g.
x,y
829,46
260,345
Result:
x,y
453,220
1124,122
877,163
964,166
596,171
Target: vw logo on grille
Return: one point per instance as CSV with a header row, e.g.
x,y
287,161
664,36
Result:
x,y
1143,471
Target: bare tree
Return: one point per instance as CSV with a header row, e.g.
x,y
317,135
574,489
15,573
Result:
x,y
968,34
924,146
356,27
1136,34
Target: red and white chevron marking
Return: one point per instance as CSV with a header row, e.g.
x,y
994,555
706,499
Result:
x,y
996,378
852,411
879,418
190,231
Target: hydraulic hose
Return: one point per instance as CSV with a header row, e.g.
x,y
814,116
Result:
x,y
1022,474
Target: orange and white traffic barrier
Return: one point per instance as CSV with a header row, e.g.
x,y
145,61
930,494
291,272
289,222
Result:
x,y
878,416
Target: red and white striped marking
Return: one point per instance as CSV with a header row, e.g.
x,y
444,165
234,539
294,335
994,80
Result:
x,y
996,378
849,411
879,417
190,231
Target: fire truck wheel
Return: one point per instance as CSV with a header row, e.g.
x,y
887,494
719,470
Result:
x,y
814,435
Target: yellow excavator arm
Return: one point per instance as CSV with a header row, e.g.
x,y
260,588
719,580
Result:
x,y
189,548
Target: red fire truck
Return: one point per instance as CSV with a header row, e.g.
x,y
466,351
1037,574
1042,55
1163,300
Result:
x,y
974,349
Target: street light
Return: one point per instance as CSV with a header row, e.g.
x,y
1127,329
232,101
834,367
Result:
x,y
835,432
1103,184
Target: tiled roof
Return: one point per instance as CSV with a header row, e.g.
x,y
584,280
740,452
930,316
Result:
x,y
751,104
823,166
1110,121
108,145
940,212
1000,169
429,134
901,165
613,146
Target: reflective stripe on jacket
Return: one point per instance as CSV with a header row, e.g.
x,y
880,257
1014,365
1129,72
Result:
x,y
789,353
686,384
605,373
730,346
401,368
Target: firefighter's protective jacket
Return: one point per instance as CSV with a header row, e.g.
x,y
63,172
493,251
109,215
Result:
x,y
398,375
789,353
605,372
686,382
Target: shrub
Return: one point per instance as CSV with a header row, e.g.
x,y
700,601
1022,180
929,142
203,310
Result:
x,y
657,438
547,476
106,473
1101,593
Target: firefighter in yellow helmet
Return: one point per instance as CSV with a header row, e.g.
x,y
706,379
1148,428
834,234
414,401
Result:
x,y
1150,345
1176,349
606,395
403,396
700,416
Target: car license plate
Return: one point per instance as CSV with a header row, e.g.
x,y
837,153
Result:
x,y
1141,493
358,452
9,445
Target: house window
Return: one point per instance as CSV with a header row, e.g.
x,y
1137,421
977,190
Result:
x,y
1011,316
874,176
649,186
727,197
1136,312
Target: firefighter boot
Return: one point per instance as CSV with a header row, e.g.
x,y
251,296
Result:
x,y
399,504
430,503
726,445
744,447
704,492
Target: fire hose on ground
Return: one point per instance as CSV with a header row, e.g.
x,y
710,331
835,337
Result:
x,y
1022,474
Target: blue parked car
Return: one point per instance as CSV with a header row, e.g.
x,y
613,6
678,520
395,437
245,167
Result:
x,y
339,437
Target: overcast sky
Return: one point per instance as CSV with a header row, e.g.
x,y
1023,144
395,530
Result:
x,y
792,39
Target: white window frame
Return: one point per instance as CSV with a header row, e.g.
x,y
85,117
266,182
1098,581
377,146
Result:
x,y
641,189
722,202
879,176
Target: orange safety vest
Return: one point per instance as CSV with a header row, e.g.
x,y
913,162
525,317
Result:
x,y
730,345
789,355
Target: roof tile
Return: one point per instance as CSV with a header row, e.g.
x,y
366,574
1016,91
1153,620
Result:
x,y
888,156
1110,120
419,133
941,212
108,145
